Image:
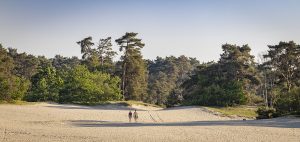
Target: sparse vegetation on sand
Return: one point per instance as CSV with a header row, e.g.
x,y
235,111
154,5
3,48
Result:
x,y
241,111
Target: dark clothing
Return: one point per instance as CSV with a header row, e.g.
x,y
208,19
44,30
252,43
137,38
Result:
x,y
130,115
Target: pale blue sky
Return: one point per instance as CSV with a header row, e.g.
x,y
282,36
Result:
x,y
195,28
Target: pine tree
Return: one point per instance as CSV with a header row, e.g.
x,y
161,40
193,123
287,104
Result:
x,y
134,71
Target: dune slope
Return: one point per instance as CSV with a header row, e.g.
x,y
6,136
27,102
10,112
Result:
x,y
72,123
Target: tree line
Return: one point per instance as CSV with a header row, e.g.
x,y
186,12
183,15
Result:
x,y
235,79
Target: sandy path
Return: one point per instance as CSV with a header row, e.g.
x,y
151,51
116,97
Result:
x,y
72,123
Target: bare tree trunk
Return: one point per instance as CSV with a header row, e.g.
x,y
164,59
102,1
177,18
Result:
x,y
123,80
266,91
289,85
102,61
124,71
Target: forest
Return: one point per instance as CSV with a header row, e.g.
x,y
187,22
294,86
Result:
x,y
235,79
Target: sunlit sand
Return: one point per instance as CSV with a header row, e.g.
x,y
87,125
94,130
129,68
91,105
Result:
x,y
56,122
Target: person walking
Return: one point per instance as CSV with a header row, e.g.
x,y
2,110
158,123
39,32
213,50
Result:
x,y
130,116
135,116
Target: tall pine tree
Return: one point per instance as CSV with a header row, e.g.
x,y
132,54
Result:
x,y
134,71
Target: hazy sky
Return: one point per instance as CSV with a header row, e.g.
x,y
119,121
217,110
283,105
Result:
x,y
195,28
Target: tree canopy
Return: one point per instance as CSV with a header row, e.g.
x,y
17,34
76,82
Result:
x,y
234,79
134,71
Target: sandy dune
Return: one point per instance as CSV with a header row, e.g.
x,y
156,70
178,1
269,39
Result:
x,y
72,123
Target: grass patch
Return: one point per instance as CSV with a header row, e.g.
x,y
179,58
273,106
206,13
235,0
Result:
x,y
242,111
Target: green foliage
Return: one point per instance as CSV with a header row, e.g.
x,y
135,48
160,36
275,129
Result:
x,y
235,79
225,83
165,78
266,112
242,111
236,63
25,66
12,87
253,99
82,86
159,89
45,85
289,102
282,72
64,64
21,86
226,94
106,55
134,71
175,98
100,58
86,45
283,60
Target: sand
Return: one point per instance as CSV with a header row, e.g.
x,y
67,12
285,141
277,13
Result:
x,y
48,122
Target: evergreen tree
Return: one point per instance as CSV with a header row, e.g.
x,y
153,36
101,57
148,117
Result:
x,y
25,65
12,87
228,82
46,84
99,58
169,72
86,47
134,71
284,60
106,55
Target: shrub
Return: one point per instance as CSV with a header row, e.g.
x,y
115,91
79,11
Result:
x,y
225,94
253,99
45,85
13,88
289,102
82,86
266,112
175,98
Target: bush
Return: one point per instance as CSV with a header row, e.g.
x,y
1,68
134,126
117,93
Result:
x,y
253,99
175,98
45,85
21,86
13,88
82,86
266,112
226,94
288,103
